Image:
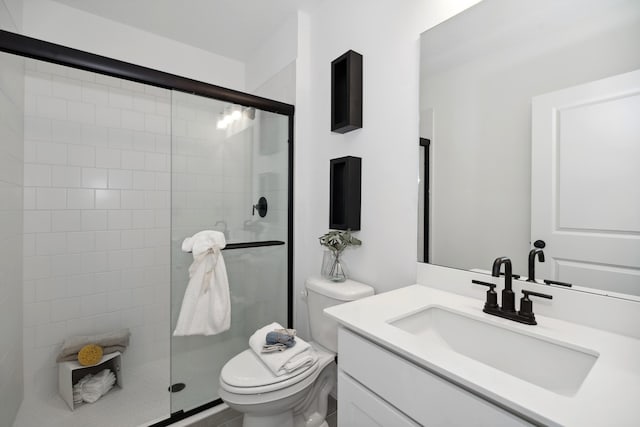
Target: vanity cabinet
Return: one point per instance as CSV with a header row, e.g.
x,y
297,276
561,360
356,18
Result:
x,y
378,387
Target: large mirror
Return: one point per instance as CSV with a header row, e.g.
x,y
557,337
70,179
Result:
x,y
507,84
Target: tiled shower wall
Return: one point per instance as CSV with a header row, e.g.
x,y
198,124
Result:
x,y
11,152
96,215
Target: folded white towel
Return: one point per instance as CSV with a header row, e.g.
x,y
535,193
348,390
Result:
x,y
92,387
282,362
206,306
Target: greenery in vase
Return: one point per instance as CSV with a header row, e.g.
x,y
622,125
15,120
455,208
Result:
x,y
337,241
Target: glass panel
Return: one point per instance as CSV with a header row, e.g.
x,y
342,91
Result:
x,y
224,159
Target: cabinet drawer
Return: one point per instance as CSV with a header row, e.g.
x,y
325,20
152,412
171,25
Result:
x,y
423,396
360,407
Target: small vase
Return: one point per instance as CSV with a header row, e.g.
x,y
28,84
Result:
x,y
332,267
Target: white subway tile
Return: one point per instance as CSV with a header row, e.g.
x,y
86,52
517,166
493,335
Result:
x,y
51,243
82,241
133,120
121,139
37,313
30,155
144,257
37,221
67,220
156,162
119,220
64,264
94,304
93,262
51,68
81,155
132,238
95,93
132,86
162,255
65,309
66,131
119,259
94,220
79,198
144,141
103,323
28,291
108,80
95,178
29,198
97,136
66,176
107,199
133,278
51,198
132,199
80,285
120,179
163,144
163,108
144,103
157,92
107,158
52,333
28,244
119,300
51,108
143,218
51,153
108,116
30,106
157,199
36,267
144,180
132,160
37,83
107,281
84,76
162,218
163,181
157,124
155,237
81,112
120,98
79,326
50,288
65,88
37,175
133,317
107,240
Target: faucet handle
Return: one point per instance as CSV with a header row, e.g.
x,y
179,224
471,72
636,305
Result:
x,y
526,305
492,296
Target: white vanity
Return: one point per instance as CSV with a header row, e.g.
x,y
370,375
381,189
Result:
x,y
423,356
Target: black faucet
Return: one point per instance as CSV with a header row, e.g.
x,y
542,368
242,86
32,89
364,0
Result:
x,y
532,263
508,311
508,297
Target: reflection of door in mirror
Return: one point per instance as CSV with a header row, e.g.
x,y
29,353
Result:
x,y
586,183
423,202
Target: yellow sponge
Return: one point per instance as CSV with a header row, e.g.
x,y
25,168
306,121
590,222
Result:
x,y
90,354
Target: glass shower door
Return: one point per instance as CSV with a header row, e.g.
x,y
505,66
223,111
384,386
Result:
x,y
224,159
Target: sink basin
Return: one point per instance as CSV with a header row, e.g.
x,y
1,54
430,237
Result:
x,y
557,367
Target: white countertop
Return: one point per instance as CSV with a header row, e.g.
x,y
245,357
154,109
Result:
x,y
609,396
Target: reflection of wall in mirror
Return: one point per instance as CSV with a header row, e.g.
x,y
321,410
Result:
x,y
481,93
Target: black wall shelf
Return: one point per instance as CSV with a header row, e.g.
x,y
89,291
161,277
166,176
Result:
x,y
346,92
345,193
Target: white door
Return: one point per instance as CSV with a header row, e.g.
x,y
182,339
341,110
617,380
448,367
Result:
x,y
585,183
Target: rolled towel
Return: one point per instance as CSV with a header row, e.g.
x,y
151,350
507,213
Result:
x,y
91,387
276,337
110,343
282,362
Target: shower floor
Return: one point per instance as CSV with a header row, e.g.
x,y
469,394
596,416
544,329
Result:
x,y
144,399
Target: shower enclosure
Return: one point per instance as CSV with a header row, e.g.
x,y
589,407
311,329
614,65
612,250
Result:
x,y
121,164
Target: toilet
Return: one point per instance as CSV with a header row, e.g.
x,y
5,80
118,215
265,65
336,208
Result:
x,y
298,399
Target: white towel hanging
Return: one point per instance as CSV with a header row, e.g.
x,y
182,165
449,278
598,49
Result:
x,y
206,306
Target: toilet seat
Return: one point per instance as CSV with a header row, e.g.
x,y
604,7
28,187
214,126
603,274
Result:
x,y
246,374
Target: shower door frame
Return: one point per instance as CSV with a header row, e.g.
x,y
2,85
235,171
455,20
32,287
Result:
x,y
29,47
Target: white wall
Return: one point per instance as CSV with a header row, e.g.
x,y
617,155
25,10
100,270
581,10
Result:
x,y
96,215
57,23
387,35
11,157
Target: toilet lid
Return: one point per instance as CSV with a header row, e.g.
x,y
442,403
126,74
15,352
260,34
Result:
x,y
247,370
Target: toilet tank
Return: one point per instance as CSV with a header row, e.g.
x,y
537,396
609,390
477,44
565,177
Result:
x,y
323,293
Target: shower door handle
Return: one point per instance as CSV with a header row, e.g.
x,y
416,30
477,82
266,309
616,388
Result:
x,y
261,207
